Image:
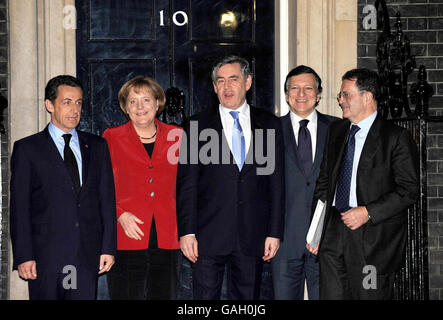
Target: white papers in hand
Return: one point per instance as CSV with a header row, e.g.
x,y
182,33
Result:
x,y
316,228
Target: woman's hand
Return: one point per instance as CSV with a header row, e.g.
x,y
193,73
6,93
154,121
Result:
x,y
129,223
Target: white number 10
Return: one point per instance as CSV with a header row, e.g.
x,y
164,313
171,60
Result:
x,y
174,18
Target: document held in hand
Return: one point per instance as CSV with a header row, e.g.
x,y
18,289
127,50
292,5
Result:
x,y
316,228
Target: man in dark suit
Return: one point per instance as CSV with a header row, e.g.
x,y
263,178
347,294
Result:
x,y
63,227
230,201
304,132
368,178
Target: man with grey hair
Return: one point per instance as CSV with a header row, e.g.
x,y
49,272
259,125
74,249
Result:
x,y
368,178
229,214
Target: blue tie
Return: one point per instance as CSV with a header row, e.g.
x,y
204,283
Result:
x,y
304,147
344,177
238,141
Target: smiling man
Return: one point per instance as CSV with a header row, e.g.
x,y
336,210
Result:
x,y
304,132
228,215
368,178
63,227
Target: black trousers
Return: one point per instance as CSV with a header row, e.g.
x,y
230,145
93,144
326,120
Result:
x,y
344,270
243,276
55,283
148,274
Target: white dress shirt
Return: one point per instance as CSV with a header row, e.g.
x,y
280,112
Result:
x,y
228,122
312,127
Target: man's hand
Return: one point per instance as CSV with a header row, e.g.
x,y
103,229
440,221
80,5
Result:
x,y
106,262
312,250
129,223
28,270
271,247
354,218
189,247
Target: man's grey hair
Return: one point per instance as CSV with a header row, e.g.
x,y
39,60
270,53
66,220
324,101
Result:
x,y
244,66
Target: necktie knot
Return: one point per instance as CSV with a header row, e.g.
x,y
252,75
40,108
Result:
x,y
67,138
304,123
353,131
234,114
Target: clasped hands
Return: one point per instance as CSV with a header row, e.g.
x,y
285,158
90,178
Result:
x,y
354,218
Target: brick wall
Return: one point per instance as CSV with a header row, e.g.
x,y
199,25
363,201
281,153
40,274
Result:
x,y
4,164
422,22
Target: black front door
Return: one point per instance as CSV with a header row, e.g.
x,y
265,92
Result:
x,y
175,42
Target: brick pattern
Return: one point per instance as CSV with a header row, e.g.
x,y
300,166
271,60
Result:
x,y
422,22
4,163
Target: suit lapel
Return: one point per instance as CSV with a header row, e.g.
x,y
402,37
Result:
x,y
132,139
256,123
84,149
340,142
290,144
371,144
53,155
322,128
51,150
213,122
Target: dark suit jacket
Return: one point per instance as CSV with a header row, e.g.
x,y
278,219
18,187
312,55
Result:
x,y
50,222
222,205
299,188
387,183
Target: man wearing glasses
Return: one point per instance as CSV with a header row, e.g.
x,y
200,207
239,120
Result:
x,y
368,178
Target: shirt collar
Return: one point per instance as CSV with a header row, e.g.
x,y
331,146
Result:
x,y
366,123
312,117
243,110
58,133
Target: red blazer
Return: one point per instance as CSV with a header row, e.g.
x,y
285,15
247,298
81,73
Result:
x,y
145,186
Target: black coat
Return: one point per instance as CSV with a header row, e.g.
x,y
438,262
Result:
x,y
52,224
387,184
218,203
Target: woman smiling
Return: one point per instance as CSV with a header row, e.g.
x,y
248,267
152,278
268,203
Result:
x,y
147,256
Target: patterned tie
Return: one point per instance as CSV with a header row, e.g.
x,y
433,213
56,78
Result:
x,y
304,147
344,177
238,141
71,163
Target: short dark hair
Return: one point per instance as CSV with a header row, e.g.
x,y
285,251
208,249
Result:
x,y
365,79
301,69
51,89
244,66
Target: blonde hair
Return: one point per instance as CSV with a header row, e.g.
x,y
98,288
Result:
x,y
142,83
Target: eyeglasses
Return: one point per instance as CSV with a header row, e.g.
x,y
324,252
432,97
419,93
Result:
x,y
346,95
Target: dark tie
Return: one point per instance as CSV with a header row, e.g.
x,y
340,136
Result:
x,y
345,174
304,148
71,163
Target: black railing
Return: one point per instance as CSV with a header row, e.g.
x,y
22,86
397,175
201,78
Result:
x,y
395,63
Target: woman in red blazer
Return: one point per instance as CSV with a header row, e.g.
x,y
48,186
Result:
x,y
144,154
